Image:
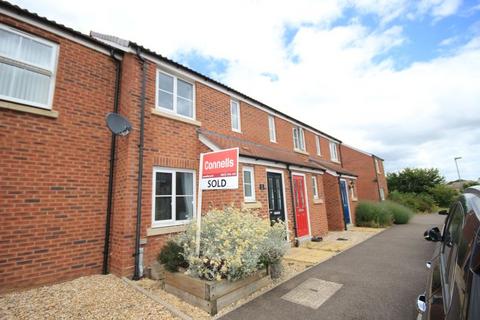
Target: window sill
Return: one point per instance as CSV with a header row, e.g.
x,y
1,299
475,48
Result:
x,y
301,151
158,230
236,131
175,117
251,205
335,161
27,109
355,199
317,201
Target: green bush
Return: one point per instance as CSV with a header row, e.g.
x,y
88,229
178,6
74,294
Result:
x,y
172,256
443,195
374,215
401,214
234,244
420,202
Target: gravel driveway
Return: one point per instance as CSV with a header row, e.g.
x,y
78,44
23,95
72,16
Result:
x,y
92,297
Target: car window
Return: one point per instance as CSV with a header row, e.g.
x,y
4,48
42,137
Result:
x,y
451,241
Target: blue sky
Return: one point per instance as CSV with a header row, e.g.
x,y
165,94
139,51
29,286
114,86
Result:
x,y
398,78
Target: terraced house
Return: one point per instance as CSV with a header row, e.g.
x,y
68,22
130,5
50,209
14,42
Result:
x,y
77,200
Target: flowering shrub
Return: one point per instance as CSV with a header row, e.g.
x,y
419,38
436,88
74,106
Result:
x,y
234,244
274,246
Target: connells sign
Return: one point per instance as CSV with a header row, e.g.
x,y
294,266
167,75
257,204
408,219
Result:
x,y
219,170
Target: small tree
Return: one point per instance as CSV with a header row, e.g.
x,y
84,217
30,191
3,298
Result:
x,y
416,180
443,195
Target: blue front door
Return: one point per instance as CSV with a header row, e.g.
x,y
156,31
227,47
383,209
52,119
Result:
x,y
346,208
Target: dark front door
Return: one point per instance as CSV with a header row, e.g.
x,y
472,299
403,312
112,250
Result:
x,y
276,207
346,208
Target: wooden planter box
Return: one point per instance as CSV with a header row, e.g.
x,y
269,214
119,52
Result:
x,y
212,296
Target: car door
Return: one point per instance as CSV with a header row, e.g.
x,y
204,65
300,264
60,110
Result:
x,y
451,270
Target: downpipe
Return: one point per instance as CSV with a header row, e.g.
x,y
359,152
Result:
x,y
138,269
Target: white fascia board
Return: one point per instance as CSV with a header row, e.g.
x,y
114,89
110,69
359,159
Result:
x,y
264,163
297,168
348,176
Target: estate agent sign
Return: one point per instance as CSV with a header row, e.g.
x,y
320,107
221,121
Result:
x,y
218,170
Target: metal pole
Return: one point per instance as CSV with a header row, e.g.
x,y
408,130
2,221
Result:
x,y
199,207
456,164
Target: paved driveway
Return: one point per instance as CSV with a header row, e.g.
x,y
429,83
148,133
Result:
x,y
381,278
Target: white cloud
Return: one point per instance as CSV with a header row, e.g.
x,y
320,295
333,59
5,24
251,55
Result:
x,y
422,115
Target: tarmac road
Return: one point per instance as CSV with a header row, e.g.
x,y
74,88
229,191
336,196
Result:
x,y
381,279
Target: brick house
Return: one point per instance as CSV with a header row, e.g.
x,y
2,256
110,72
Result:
x,y
371,181
77,200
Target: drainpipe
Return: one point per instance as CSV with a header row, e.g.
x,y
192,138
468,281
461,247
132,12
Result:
x,y
137,274
106,245
341,202
376,178
293,205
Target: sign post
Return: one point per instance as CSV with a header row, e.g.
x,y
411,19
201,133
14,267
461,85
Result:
x,y
218,171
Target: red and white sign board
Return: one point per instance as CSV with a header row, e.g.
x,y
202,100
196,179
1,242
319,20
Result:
x,y
219,170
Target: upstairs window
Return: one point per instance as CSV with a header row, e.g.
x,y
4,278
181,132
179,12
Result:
x,y
235,115
174,95
317,143
27,68
271,129
334,152
298,139
173,197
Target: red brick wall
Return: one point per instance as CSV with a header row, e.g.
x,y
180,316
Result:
x,y
363,165
54,173
334,203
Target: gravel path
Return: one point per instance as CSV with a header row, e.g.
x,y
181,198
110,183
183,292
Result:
x,y
92,297
290,269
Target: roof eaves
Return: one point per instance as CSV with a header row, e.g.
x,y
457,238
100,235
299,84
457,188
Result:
x,y
51,23
246,97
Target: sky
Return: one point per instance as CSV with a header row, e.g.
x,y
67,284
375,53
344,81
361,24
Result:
x,y
397,78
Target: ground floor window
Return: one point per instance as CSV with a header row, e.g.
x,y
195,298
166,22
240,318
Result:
x,y
173,196
248,184
315,187
353,189
382,194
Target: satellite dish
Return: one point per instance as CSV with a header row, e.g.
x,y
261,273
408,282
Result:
x,y
119,125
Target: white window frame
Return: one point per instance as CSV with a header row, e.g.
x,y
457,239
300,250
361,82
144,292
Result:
x,y
252,184
172,222
377,167
334,151
174,93
51,72
317,143
382,194
237,103
353,190
301,139
315,188
272,130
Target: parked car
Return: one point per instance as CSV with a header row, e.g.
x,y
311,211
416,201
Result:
x,y
453,284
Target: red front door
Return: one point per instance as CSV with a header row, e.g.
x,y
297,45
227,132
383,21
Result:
x,y
300,205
